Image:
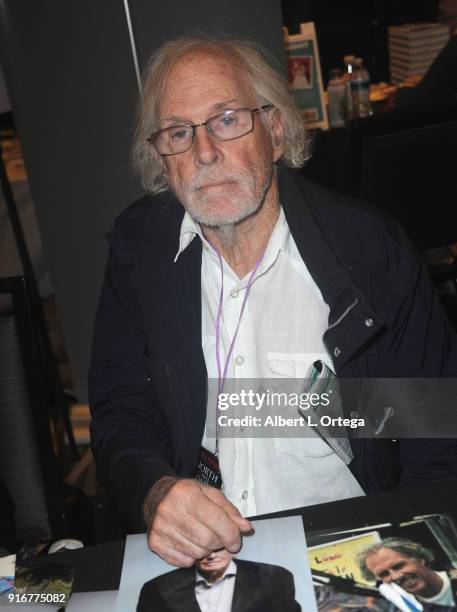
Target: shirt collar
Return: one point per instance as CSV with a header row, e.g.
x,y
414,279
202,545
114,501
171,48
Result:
x,y
189,229
280,239
230,570
445,589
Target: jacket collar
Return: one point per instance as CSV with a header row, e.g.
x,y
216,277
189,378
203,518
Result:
x,y
248,588
332,279
352,321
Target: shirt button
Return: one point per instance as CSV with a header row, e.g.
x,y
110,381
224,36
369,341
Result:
x,y
369,322
239,360
244,495
337,351
234,293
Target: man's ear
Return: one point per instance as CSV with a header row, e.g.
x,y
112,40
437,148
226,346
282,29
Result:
x,y
276,124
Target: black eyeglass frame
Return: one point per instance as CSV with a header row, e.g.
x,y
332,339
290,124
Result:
x,y
152,138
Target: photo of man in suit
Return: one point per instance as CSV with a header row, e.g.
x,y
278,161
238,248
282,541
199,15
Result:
x,y
220,583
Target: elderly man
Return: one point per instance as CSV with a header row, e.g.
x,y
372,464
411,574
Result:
x,y
238,268
407,564
219,583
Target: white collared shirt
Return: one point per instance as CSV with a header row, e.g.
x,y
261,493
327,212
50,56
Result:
x,y
280,335
216,596
445,596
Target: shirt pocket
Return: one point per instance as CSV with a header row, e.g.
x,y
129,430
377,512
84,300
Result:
x,y
291,365
311,447
296,365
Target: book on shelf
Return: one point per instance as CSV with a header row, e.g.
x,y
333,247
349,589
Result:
x,y
414,56
420,66
419,31
413,47
429,49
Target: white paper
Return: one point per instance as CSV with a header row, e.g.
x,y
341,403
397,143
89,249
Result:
x,y
276,541
7,565
99,601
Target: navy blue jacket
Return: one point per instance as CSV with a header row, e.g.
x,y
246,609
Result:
x,y
147,383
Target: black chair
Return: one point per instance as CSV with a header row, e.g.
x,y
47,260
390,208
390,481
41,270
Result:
x,y
402,164
405,166
411,174
27,462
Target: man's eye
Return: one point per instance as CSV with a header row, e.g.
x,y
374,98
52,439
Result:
x,y
227,121
179,133
399,565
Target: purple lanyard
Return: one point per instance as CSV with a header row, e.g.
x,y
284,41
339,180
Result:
x,y
222,374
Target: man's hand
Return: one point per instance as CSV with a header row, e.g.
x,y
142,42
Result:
x,y
187,520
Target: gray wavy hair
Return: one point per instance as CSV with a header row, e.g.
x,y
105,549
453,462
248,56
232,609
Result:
x,y
411,549
268,84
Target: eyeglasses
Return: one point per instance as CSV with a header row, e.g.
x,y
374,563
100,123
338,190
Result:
x,y
228,125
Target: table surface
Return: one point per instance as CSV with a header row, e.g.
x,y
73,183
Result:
x,y
98,568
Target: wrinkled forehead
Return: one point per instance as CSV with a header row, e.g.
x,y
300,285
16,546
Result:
x,y
205,77
380,556
385,557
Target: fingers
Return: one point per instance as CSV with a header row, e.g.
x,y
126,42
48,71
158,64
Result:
x,y
191,521
191,536
213,516
224,519
168,551
232,511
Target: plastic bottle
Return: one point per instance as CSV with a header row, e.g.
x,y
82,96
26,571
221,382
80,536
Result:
x,y
348,68
336,91
360,90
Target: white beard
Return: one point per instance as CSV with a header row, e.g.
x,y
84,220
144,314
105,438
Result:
x,y
242,190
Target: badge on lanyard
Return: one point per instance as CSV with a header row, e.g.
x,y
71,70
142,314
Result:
x,y
208,471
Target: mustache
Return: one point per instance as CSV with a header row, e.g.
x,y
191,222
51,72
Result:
x,y
405,578
203,179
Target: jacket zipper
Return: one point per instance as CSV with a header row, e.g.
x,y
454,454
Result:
x,y
340,318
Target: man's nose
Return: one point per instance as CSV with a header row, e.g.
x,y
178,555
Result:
x,y
393,576
205,147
